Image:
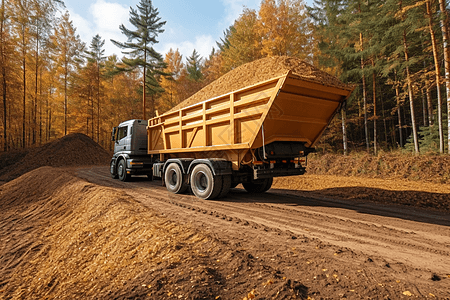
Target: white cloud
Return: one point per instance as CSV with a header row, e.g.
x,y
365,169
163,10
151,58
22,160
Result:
x,y
107,18
234,8
203,44
83,27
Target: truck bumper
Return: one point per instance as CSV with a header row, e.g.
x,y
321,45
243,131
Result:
x,y
269,173
139,166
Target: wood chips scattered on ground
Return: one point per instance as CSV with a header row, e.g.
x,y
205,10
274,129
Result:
x,y
71,239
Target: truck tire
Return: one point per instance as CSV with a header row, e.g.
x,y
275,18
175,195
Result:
x,y
122,170
173,177
259,186
204,184
112,170
226,185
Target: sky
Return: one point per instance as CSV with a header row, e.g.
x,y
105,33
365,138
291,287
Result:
x,y
193,24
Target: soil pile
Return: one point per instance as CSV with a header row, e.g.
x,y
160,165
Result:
x,y
425,168
419,181
75,149
72,239
259,71
389,191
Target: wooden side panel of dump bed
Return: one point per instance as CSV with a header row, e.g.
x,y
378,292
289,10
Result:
x,y
228,122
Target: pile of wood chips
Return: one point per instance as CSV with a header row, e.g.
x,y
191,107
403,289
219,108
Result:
x,y
75,149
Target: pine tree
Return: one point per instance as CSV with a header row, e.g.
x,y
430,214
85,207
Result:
x,y
446,39
242,42
148,26
96,60
67,48
437,72
4,58
176,68
194,67
284,29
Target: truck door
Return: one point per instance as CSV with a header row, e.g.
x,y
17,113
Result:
x,y
122,140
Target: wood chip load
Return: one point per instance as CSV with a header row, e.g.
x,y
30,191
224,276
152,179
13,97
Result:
x,y
261,70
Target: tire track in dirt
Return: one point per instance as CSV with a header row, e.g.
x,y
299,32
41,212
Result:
x,y
380,231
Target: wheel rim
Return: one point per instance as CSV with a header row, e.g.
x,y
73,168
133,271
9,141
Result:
x,y
112,168
173,178
201,181
120,170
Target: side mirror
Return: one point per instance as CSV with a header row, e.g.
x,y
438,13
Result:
x,y
113,134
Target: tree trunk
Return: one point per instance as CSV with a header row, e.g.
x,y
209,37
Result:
x,y
98,102
143,87
4,85
400,126
430,106
374,83
366,128
424,108
344,127
91,96
410,93
445,36
24,85
437,68
65,98
36,88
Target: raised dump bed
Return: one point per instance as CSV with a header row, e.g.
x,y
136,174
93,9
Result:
x,y
235,126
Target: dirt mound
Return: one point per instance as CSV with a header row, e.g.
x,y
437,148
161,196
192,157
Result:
x,y
389,191
259,71
75,149
425,168
72,239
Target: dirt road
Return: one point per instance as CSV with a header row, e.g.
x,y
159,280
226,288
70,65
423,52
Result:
x,y
349,249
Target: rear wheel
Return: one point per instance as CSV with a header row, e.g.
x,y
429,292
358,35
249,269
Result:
x,y
258,186
226,185
122,170
173,178
204,184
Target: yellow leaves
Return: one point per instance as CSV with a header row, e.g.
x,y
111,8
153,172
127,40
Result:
x,y
430,294
250,295
407,293
269,282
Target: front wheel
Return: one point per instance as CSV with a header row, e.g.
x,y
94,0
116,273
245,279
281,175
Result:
x,y
112,170
122,170
258,186
204,184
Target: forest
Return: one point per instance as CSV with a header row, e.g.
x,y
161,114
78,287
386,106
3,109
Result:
x,y
394,52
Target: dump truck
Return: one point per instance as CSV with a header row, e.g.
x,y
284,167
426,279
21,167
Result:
x,y
248,136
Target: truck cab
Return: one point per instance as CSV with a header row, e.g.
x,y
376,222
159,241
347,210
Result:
x,y
130,150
